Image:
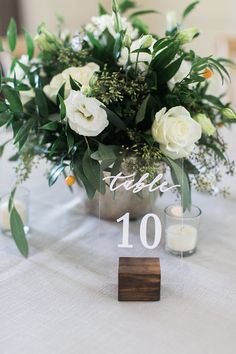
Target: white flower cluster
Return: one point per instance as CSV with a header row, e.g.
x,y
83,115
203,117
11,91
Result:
x,y
99,24
85,114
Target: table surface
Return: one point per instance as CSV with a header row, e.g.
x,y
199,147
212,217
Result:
x,y
63,298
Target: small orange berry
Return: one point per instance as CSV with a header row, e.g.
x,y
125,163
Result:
x,y
208,73
70,180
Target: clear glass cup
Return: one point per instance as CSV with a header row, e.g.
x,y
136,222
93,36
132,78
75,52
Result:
x,y
21,203
181,229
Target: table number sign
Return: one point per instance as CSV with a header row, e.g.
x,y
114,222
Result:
x,y
139,278
143,231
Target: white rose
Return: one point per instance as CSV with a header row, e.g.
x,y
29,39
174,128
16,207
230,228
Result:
x,y
144,59
85,114
99,24
181,74
176,132
80,74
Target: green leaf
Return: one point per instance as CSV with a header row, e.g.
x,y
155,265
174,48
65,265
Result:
x,y
140,25
2,147
29,45
190,8
11,199
55,173
163,58
41,103
95,42
18,233
4,118
12,96
142,110
170,70
102,10
214,101
126,5
114,119
75,85
143,12
92,171
12,34
1,46
142,50
61,93
62,107
70,141
14,157
217,151
118,45
23,133
51,126
107,155
219,67
117,165
180,178
79,174
190,168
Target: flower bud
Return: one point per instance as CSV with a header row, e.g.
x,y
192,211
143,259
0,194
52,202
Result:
x,y
228,113
127,41
171,20
46,40
205,123
147,41
187,35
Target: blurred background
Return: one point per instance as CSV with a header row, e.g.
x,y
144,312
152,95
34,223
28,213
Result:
x,y
216,20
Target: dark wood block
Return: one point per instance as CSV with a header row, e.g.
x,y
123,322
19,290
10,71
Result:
x,y
139,279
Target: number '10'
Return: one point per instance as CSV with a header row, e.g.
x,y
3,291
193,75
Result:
x,y
143,231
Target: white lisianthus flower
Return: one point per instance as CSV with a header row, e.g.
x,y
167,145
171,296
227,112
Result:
x,y
176,132
99,24
182,73
80,74
144,59
206,124
85,114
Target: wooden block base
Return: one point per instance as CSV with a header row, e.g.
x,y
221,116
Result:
x,y
139,279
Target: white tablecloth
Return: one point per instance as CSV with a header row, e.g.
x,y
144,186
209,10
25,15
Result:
x,y
63,298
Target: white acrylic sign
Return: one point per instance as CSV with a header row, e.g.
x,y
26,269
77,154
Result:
x,y
128,183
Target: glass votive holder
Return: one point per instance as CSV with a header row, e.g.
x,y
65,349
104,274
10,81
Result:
x,y
21,203
181,229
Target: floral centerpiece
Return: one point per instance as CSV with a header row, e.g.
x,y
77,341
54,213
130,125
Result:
x,y
89,100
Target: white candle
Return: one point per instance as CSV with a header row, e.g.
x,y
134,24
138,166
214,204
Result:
x,y
5,217
181,237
